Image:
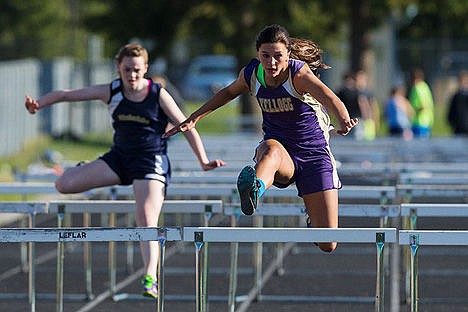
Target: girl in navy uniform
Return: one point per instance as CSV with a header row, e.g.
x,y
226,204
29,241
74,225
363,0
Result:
x,y
140,110
296,125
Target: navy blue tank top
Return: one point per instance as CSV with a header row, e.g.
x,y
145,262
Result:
x,y
138,126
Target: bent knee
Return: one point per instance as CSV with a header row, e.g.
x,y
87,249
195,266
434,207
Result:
x,y
63,186
327,247
270,148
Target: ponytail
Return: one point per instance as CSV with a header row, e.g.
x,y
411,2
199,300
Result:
x,y
309,52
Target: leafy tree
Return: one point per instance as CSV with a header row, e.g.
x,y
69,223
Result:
x,y
43,29
47,29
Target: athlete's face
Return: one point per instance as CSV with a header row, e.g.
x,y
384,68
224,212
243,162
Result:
x,y
274,58
132,71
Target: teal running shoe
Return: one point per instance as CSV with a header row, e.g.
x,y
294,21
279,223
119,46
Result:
x,y
247,186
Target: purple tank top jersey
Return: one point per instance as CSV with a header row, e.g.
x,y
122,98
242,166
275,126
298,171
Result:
x,y
301,124
297,121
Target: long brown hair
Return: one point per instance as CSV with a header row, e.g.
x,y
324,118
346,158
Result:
x,y
309,52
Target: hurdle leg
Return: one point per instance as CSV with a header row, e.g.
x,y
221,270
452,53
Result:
x,y
233,270
87,260
112,259
206,221
23,249
411,223
395,272
380,282
130,245
258,253
32,266
414,244
60,258
162,237
198,239
279,252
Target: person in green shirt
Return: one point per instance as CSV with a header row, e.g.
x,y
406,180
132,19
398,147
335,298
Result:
x,y
420,97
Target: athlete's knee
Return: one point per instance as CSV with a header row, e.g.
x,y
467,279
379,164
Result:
x,y
327,247
271,149
64,185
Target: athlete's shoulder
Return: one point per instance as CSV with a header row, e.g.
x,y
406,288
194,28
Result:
x,y
116,84
250,67
249,70
296,65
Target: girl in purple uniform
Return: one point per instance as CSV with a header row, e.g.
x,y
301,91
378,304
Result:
x,y
294,104
140,110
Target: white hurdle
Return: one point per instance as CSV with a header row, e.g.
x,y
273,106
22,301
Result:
x,y
60,235
412,211
298,210
31,209
201,235
414,239
112,207
406,192
86,207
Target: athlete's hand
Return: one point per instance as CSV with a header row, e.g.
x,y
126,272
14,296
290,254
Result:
x,y
31,105
346,126
213,164
182,127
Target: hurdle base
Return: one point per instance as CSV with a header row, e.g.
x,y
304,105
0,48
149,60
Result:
x,y
321,299
181,297
45,297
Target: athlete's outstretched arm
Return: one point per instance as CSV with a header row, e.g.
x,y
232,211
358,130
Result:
x,y
171,109
97,92
221,98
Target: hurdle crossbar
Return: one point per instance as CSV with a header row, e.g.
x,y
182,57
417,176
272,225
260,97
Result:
x,y
127,206
101,234
25,188
434,210
344,210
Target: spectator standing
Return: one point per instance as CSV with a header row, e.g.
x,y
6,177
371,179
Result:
x,y
368,105
458,109
398,113
420,97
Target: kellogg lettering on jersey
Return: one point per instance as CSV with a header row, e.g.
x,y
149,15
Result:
x,y
276,105
65,235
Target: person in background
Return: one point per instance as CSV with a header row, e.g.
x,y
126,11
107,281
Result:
x,y
368,106
295,147
398,113
420,98
458,107
140,111
349,95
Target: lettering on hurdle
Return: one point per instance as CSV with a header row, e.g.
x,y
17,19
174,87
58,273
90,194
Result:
x,y
200,235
